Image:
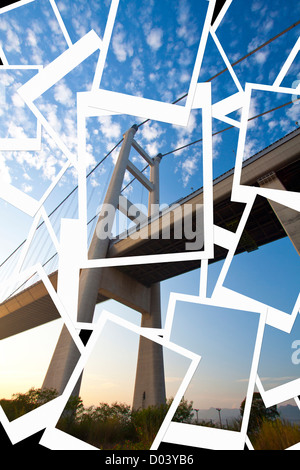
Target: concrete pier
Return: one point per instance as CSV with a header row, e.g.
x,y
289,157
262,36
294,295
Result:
x,y
289,218
66,354
150,381
150,377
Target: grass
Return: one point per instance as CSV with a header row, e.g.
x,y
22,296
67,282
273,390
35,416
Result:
x,y
118,427
140,431
105,426
276,435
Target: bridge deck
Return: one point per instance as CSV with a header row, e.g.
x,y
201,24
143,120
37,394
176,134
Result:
x,y
33,306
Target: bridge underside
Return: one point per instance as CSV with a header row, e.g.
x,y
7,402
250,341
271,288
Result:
x,y
262,227
34,307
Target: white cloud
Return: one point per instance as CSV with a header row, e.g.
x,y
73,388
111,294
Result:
x,y
251,148
138,71
181,143
253,44
253,111
127,177
152,149
62,7
217,140
166,95
93,182
185,77
187,29
114,156
63,94
151,132
5,176
136,82
268,25
3,24
189,165
152,77
79,27
44,162
127,191
26,177
16,132
37,57
31,38
111,130
27,188
261,57
154,38
285,125
189,168
185,58
294,112
189,129
6,78
49,170
89,157
272,124
18,101
55,27
121,48
50,113
256,6
12,42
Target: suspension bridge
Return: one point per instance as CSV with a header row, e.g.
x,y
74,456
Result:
x,y
138,286
29,304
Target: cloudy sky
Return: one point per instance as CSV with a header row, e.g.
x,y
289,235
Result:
x,y
154,58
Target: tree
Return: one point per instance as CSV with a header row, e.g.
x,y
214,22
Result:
x,y
104,412
259,413
22,403
184,412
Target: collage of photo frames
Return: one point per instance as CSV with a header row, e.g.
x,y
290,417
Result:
x,y
39,136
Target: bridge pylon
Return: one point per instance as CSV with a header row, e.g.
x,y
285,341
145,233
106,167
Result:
x,y
150,380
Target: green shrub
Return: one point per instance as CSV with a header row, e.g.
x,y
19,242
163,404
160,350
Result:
x,y
22,403
259,413
184,412
147,423
104,426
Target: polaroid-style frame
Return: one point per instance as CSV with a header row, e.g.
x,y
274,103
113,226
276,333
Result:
x,y
211,438
241,192
86,108
22,143
276,318
54,439
45,415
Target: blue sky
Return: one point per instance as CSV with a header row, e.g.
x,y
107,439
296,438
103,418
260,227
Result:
x,y
158,65
154,58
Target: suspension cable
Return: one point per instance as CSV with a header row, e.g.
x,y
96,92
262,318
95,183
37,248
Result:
x,y
147,120
231,127
241,59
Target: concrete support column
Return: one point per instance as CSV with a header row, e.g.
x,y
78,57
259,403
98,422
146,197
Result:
x,y
90,278
289,218
66,354
150,377
153,200
64,359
